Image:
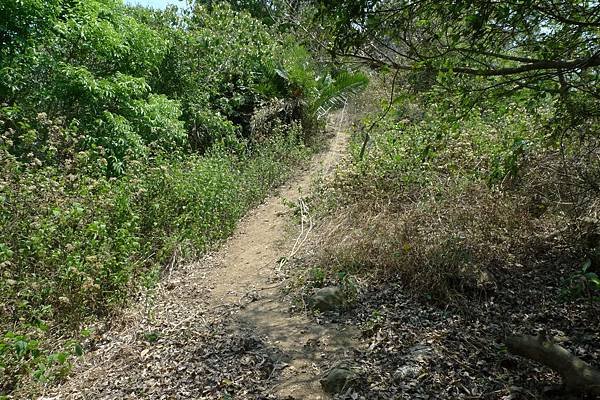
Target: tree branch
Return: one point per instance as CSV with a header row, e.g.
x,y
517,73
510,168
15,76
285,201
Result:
x,y
568,21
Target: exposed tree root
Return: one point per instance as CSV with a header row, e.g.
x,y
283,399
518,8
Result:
x,y
578,376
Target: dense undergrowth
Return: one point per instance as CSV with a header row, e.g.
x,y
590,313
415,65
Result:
x,y
446,197
483,150
457,228
129,135
472,191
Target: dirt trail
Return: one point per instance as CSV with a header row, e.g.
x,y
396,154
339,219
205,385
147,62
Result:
x,y
152,351
260,242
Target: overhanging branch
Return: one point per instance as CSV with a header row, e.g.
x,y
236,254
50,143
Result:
x,y
580,63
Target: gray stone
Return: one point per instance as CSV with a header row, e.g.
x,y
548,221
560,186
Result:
x,y
328,299
409,371
337,379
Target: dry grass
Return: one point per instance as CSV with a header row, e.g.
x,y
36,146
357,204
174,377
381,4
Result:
x,y
443,242
451,236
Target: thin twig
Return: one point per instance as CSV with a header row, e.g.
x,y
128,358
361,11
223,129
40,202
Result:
x,y
381,117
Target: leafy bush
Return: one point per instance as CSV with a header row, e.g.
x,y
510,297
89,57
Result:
x,y
128,134
73,247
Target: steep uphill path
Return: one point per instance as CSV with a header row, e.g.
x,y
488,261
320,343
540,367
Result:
x,y
219,328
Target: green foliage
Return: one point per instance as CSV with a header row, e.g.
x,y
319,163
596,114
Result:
x,y
20,351
470,38
23,21
137,82
349,285
334,92
464,48
317,276
73,247
316,92
448,191
422,137
101,36
582,284
217,68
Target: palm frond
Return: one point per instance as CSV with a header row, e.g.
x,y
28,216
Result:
x,y
336,92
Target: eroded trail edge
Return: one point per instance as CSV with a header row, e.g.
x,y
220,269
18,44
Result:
x,y
220,327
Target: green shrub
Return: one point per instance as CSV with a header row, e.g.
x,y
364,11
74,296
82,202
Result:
x,y
72,247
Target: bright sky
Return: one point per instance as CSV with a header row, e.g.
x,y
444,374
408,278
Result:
x,y
155,3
